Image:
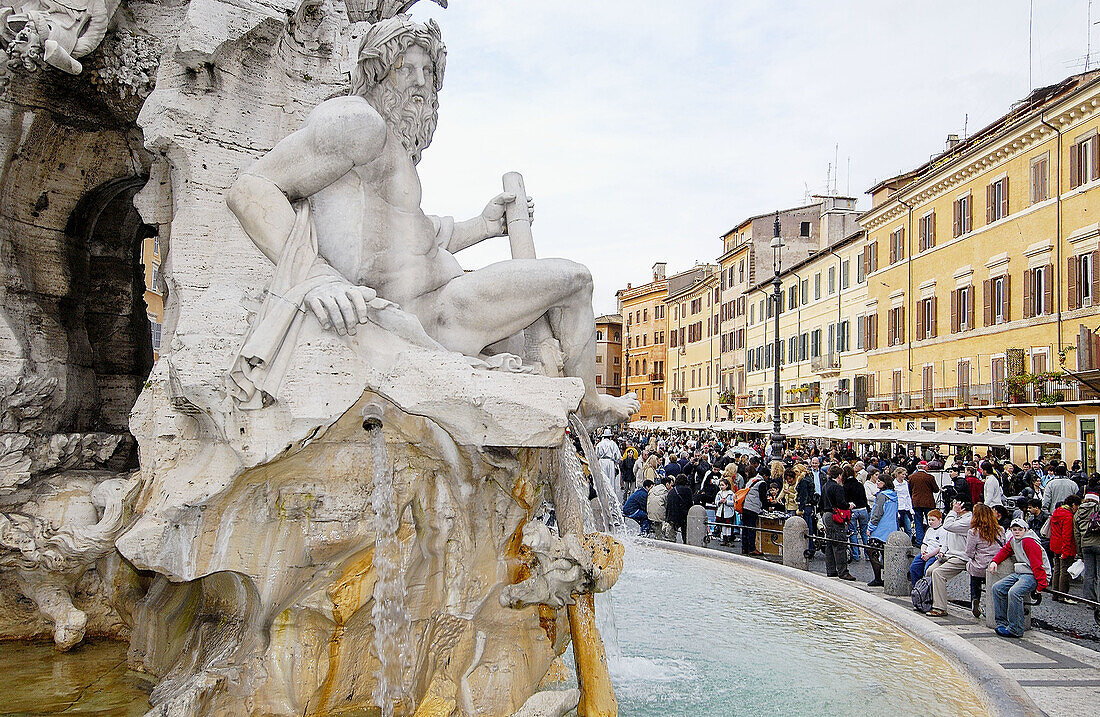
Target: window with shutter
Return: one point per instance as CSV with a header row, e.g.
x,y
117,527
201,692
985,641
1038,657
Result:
x,y
1094,278
1075,164
921,322
1029,285
1048,289
990,203
955,311
956,215
1039,179
1006,298
932,316
987,306
1094,157
1072,267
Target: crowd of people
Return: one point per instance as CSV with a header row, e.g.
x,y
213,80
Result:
x,y
1043,515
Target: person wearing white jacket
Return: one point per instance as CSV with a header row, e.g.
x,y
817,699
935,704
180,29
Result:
x,y
956,523
935,537
992,493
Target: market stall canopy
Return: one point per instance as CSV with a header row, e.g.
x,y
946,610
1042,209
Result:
x,y
1034,438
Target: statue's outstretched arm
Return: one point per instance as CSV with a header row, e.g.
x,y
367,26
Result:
x,y
487,225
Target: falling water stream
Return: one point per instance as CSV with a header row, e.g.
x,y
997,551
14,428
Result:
x,y
611,520
390,616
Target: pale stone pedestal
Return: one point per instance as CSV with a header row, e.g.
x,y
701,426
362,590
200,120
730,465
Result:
x,y
697,525
895,569
796,541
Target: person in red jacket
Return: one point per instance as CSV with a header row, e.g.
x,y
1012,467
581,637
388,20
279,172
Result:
x,y
977,487
1062,546
1031,570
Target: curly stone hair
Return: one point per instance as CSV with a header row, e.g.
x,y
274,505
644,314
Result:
x,y
383,45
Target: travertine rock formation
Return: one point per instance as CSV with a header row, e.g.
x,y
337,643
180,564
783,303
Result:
x,y
260,533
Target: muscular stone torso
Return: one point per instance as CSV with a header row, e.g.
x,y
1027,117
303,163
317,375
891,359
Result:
x,y
371,229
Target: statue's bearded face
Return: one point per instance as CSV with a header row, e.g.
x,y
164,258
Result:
x,y
407,100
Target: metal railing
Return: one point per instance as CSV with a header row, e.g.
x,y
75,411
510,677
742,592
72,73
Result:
x,y
738,529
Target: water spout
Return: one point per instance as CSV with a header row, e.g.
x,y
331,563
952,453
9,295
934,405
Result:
x,y
390,615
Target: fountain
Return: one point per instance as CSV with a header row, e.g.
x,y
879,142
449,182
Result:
x,y
322,499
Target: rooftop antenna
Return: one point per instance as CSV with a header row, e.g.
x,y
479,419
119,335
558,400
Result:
x,y
836,163
1030,26
828,177
1088,36
966,121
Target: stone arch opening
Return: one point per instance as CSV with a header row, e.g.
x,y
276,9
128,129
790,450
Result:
x,y
109,330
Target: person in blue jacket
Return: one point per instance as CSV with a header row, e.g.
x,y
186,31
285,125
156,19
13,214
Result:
x,y
634,507
884,520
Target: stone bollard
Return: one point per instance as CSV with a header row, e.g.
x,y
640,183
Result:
x,y
895,568
1003,571
697,525
796,541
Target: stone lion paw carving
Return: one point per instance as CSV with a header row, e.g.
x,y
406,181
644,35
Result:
x,y
50,560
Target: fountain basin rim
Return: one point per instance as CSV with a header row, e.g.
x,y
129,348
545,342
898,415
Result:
x,y
1001,695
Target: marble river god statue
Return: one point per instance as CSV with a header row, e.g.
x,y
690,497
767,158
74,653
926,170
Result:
x,y
342,522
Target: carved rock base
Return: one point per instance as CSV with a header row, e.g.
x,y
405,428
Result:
x,y
269,610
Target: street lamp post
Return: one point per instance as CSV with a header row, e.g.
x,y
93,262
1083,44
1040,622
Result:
x,y
777,440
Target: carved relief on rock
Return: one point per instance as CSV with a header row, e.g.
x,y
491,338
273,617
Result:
x,y
36,33
56,538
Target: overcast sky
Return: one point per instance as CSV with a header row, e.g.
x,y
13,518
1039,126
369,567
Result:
x,y
646,129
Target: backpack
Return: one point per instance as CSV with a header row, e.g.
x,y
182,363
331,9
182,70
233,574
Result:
x,y
739,496
921,595
1092,524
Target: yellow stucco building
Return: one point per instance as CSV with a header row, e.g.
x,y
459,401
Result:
x,y
985,286
645,330
609,353
692,378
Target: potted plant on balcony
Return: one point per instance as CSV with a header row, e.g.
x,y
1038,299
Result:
x,y
1016,387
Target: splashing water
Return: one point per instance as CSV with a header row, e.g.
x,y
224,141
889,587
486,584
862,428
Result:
x,y
570,467
390,616
611,519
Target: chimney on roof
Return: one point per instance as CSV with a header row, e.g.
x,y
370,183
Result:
x,y
659,271
952,142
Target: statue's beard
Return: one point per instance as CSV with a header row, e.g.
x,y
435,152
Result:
x,y
411,113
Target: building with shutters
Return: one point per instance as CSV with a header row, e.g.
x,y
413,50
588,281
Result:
x,y
609,354
985,289
692,379
645,335
746,260
821,320
154,290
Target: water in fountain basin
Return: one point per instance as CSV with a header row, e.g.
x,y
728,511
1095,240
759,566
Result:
x,y
390,615
710,638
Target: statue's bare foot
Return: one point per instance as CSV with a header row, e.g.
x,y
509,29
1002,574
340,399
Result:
x,y
605,410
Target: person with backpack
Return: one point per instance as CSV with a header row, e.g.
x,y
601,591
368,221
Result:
x,y
953,559
753,498
930,548
1086,533
1030,574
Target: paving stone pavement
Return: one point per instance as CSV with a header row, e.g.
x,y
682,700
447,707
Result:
x,y
1057,662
